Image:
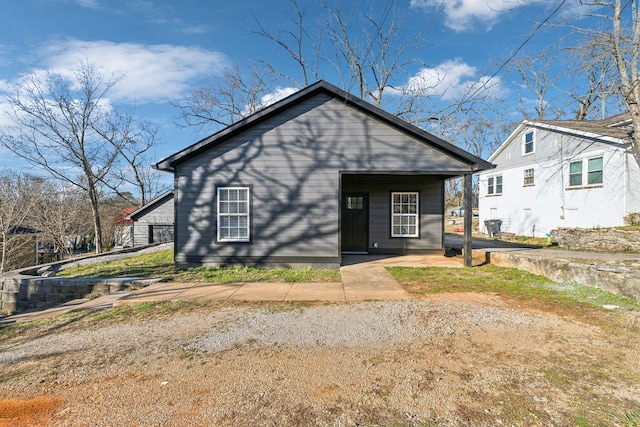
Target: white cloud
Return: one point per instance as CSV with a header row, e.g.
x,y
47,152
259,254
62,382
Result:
x,y
461,15
277,95
450,80
148,73
196,29
268,99
89,4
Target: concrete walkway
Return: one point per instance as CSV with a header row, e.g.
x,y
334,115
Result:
x,y
364,277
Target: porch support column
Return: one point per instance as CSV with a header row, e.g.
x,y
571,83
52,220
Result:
x,y
468,215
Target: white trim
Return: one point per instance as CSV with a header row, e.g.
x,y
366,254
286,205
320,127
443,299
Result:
x,y
532,124
407,215
495,184
575,132
584,173
523,146
238,215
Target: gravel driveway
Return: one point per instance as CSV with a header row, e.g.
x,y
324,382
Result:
x,y
469,359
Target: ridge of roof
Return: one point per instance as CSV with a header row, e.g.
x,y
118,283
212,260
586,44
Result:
x,y
321,86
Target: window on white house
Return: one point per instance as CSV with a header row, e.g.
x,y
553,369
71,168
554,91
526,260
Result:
x,y
529,177
594,168
404,215
233,214
528,146
575,173
494,184
591,175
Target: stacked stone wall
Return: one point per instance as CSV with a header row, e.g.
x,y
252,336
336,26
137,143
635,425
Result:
x,y
597,239
27,288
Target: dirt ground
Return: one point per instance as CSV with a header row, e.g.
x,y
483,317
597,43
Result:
x,y
451,360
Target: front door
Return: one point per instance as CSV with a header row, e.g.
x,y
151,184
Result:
x,y
355,222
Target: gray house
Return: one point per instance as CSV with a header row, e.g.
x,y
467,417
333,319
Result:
x,y
153,222
316,175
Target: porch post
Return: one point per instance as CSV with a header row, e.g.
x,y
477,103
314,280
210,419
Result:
x,y
468,215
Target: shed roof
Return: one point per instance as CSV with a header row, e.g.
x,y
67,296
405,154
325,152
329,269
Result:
x,y
168,164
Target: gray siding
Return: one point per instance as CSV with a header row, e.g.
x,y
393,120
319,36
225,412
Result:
x,y
548,145
293,162
379,188
162,215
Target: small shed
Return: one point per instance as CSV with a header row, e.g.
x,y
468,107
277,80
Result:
x,y
154,222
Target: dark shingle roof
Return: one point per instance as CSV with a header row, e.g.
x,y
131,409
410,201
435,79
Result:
x,y
618,126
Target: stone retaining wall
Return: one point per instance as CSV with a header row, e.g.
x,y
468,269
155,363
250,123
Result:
x,y
21,293
614,277
26,289
597,239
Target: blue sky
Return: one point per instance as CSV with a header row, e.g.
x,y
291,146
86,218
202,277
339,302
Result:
x,y
163,49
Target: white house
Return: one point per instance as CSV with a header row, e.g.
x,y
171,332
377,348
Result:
x,y
565,173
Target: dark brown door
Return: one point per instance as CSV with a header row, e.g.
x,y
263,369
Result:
x,y
355,222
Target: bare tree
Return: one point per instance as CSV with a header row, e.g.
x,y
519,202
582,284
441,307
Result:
x,y
132,141
66,127
16,237
239,94
478,135
299,44
375,54
60,213
617,35
593,68
536,76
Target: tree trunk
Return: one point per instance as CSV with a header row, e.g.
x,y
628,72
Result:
x,y
97,227
3,242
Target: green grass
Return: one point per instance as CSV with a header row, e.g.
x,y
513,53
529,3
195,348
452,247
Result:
x,y
632,419
160,265
153,264
507,282
247,274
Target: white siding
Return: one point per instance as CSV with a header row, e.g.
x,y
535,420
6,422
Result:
x,y
551,203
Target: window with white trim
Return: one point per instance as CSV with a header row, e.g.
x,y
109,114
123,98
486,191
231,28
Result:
x,y
594,171
529,177
404,214
233,214
494,185
528,143
575,173
592,174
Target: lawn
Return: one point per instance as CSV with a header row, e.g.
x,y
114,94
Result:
x,y
160,265
508,283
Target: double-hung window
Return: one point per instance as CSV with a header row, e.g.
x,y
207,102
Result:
x,y
529,177
494,184
594,171
528,146
593,175
575,173
404,215
233,214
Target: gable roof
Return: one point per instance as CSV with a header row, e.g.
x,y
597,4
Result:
x,y
615,129
151,205
169,163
